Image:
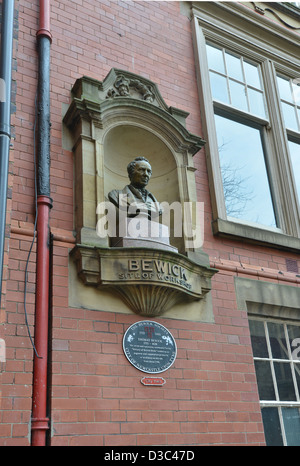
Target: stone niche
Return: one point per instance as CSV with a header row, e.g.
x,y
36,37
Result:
x,y
111,123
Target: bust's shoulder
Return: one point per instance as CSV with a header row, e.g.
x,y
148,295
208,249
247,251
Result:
x,y
115,194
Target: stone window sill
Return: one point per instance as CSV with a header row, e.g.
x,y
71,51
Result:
x,y
261,236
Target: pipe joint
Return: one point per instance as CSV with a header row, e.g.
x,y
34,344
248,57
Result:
x,y
44,26
42,32
45,200
40,423
39,428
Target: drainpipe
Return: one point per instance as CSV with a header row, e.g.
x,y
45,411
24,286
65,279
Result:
x,y
5,100
40,421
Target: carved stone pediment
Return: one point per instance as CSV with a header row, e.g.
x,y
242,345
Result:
x,y
128,87
89,95
121,83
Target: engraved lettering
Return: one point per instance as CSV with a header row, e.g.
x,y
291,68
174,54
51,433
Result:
x,y
148,269
147,265
133,264
175,270
160,266
182,273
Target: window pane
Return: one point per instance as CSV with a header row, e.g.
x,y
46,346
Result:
x,y
295,157
252,75
245,181
277,341
289,116
215,59
272,428
291,420
297,372
294,340
258,339
238,95
264,380
256,100
296,91
284,89
219,87
284,381
234,67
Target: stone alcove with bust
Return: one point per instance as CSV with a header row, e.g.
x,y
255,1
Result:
x,y
111,123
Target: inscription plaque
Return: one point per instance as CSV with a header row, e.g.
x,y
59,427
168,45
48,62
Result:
x,y
149,347
153,381
149,281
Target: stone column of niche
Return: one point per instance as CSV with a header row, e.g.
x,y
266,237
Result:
x,y
84,120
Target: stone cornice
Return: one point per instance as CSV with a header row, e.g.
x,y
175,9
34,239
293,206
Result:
x,y
211,13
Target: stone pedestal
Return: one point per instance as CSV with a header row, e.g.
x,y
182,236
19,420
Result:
x,y
140,232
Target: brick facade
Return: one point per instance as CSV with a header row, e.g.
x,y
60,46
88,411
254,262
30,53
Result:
x,y
210,396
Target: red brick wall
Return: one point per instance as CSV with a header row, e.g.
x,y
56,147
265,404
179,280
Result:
x,y
7,234
210,395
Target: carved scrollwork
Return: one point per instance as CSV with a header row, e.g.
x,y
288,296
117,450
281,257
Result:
x,y
123,86
262,11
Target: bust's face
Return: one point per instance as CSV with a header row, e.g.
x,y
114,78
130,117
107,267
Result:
x,y
141,174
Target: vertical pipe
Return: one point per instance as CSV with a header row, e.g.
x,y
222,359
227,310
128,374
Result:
x,y
40,422
5,101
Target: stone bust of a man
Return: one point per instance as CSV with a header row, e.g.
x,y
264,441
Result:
x,y
135,197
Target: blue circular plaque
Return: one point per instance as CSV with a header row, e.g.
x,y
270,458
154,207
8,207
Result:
x,y
149,347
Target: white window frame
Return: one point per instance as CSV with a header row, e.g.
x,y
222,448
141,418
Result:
x,y
229,32
289,360
269,301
